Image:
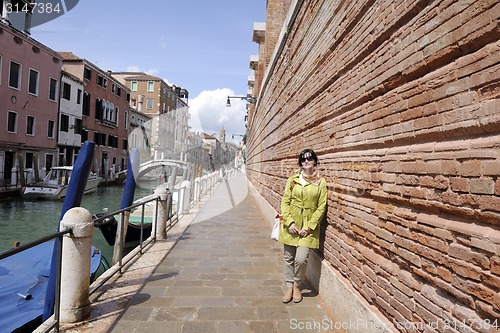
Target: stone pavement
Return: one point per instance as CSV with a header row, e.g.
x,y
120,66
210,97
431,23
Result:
x,y
223,274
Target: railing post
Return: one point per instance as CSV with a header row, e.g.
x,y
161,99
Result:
x,y
197,189
180,199
186,184
75,266
161,192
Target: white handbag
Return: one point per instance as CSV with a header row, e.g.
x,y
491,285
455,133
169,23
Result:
x,y
277,227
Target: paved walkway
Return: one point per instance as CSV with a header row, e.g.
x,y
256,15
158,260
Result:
x,y
223,274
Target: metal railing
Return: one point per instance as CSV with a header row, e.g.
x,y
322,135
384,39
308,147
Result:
x,y
191,192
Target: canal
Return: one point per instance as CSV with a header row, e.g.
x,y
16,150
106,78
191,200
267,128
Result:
x,y
27,220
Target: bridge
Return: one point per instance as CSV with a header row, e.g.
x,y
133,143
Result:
x,y
155,164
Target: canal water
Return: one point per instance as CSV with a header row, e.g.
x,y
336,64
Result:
x,y
27,220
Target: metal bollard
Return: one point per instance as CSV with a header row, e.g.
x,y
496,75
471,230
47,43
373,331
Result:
x,y
75,269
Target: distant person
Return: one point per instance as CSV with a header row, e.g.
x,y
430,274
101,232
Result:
x,y
302,206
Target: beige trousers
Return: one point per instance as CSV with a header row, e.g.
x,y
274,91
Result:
x,y
295,264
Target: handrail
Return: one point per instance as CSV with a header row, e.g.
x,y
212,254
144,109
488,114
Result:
x,y
34,243
197,191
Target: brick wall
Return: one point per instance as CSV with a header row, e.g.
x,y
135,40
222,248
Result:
x,y
401,101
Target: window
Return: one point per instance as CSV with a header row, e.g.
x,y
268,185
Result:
x,y
30,125
87,73
151,86
100,138
12,122
98,109
50,129
105,83
79,96
86,104
78,126
118,91
33,82
66,94
133,86
99,80
49,161
15,75
85,135
149,103
28,164
64,123
52,89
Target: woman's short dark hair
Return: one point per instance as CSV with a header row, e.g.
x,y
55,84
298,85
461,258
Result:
x,y
310,151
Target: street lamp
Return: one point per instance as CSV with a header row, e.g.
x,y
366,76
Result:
x,y
251,100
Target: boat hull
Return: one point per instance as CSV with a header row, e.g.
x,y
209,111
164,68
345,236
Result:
x,y
109,226
43,190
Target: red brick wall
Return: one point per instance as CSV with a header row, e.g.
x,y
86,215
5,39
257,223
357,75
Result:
x,y
401,100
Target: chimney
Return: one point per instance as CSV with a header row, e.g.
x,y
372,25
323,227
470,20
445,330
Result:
x,y
140,101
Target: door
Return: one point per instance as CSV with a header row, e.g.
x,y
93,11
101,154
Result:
x,y
8,165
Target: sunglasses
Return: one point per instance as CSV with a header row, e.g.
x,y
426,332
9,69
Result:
x,y
307,158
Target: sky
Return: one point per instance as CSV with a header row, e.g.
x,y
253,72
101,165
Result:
x,y
202,46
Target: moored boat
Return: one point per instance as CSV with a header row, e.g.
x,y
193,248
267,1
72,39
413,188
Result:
x,y
55,184
109,226
23,283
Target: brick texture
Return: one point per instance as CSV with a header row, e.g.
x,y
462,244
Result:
x,y
401,101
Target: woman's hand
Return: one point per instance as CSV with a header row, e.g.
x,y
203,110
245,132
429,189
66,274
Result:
x,y
304,232
293,229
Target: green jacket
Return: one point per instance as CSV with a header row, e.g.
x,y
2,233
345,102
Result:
x,y
304,205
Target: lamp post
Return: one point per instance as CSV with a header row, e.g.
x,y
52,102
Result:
x,y
251,100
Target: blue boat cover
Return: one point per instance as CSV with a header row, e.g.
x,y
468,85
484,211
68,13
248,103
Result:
x,y
23,283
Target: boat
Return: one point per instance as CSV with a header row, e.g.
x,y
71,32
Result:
x,y
28,278
55,184
23,283
109,225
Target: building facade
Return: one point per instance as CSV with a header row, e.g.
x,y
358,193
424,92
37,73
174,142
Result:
x,y
70,127
166,106
30,75
105,106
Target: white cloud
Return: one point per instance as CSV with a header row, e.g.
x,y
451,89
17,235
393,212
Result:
x,y
133,69
209,113
152,71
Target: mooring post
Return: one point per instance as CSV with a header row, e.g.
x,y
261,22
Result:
x,y
75,267
162,193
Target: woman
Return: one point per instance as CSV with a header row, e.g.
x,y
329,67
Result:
x,y
302,206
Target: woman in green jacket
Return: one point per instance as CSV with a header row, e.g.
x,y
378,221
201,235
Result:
x,y
302,206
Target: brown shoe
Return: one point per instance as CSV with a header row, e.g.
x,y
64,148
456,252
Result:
x,y
287,298
297,294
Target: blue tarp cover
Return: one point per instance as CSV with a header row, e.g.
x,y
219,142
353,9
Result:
x,y
23,282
